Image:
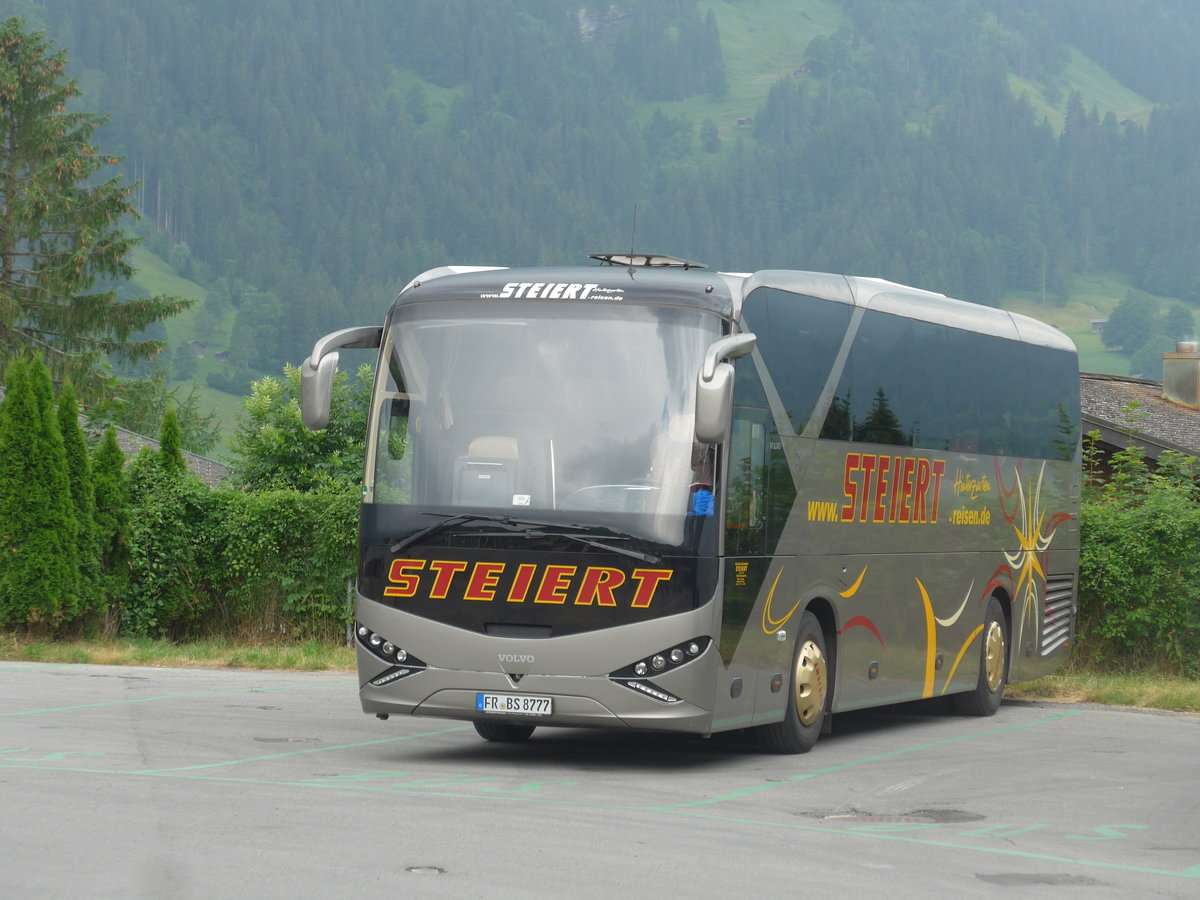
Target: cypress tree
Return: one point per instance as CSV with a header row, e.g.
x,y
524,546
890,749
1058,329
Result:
x,y
111,527
39,575
83,498
170,450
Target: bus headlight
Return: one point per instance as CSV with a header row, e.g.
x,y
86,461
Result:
x,y
388,652
665,660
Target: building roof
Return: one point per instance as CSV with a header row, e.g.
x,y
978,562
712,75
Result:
x,y
208,470
1157,425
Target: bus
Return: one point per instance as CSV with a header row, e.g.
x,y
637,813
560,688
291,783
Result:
x,y
644,494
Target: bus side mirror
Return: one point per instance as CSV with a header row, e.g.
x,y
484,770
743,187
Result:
x,y
316,372
714,387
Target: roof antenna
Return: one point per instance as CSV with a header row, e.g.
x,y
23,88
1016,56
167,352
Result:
x,y
633,239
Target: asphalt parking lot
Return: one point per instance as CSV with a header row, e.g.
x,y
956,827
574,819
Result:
x,y
154,782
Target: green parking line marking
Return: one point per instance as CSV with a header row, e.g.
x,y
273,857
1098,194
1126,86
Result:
x,y
30,667
475,789
289,753
852,764
1193,872
183,696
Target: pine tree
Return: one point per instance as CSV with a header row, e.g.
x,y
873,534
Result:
x,y
60,224
39,572
83,498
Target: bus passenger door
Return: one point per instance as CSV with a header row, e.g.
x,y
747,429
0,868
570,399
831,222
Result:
x,y
758,498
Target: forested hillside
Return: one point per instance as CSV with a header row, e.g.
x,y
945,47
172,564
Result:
x,y
303,159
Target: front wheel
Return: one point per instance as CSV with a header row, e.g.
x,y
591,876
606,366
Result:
x,y
985,699
807,694
503,732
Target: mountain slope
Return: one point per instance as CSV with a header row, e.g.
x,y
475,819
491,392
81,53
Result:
x,y
312,157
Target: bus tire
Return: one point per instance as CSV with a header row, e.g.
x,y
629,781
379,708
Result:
x,y
503,732
985,699
808,694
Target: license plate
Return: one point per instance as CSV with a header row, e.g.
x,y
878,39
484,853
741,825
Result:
x,y
513,704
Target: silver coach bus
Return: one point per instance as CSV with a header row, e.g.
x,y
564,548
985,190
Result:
x,y
643,494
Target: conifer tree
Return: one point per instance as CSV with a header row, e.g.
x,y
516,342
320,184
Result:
x,y
39,571
111,526
83,498
169,449
60,224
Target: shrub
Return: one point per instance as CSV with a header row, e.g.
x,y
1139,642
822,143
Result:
x,y
169,525
285,560
255,565
1139,590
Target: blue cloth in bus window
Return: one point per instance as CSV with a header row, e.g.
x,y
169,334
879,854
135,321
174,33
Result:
x,y
702,500
702,473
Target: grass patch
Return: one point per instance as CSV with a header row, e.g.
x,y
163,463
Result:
x,y
1144,691
216,653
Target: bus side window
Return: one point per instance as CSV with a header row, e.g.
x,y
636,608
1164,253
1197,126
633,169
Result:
x,y
747,458
760,491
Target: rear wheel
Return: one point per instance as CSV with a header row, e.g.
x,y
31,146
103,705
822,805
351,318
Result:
x,y
985,699
808,691
503,732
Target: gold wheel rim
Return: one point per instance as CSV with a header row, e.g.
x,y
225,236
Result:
x,y
810,683
993,659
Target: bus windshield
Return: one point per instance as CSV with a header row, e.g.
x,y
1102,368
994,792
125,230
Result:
x,y
581,411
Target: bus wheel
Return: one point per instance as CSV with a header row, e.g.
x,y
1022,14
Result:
x,y
807,694
985,699
503,732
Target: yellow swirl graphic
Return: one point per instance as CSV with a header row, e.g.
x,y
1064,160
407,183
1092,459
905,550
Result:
x,y
771,625
961,653
853,589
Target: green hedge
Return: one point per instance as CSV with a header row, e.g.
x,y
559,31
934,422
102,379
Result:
x,y
246,564
1139,579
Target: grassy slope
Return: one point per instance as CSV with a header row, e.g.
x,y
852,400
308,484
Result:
x,y
157,277
1093,297
1096,88
762,42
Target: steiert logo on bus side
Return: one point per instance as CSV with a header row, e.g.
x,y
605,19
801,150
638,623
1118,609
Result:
x,y
892,488
505,582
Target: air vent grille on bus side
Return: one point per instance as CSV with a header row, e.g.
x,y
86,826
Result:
x,y
1060,612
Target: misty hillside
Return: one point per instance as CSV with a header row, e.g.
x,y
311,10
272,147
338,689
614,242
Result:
x,y
300,160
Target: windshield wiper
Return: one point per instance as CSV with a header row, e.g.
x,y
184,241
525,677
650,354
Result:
x,y
626,551
591,542
449,520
